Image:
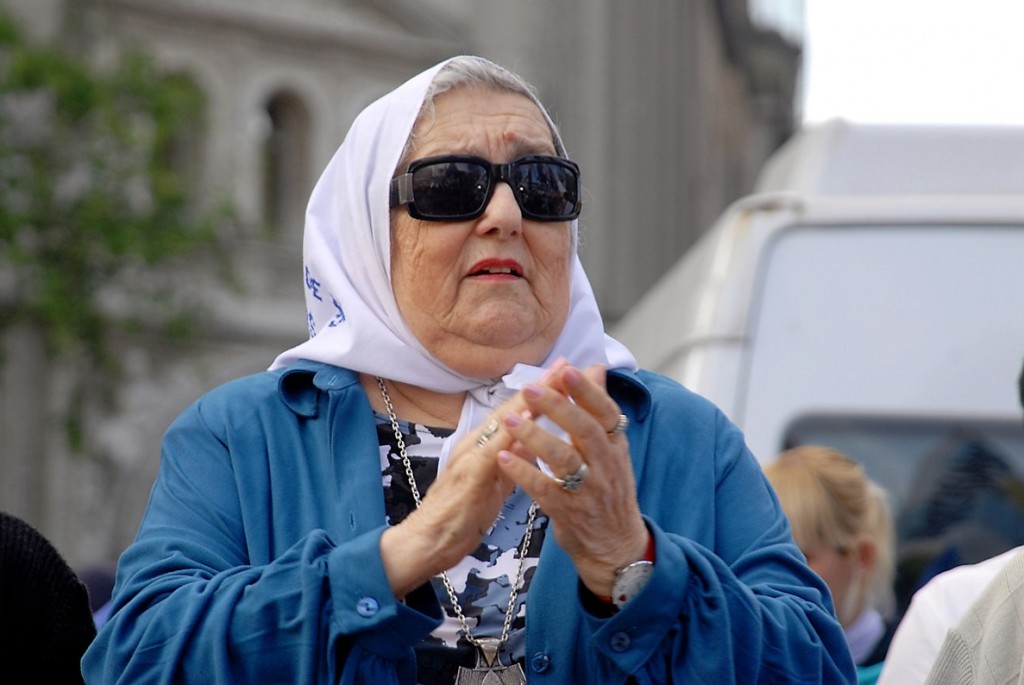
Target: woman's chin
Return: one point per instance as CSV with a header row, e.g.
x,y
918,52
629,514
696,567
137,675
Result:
x,y
492,357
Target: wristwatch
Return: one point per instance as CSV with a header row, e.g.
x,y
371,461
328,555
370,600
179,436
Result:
x,y
630,580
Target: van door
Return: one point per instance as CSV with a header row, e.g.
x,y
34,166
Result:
x,y
901,346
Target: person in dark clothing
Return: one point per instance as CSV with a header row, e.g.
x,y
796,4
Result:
x,y
45,620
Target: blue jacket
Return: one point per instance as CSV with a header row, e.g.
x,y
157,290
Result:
x,y
257,560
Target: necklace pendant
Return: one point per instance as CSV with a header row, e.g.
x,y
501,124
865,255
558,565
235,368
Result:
x,y
488,670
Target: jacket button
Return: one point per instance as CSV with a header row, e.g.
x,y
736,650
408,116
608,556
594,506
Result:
x,y
619,642
367,607
540,662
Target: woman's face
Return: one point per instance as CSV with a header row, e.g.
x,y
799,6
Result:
x,y
844,571
483,294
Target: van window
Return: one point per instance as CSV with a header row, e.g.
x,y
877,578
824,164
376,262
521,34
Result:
x,y
956,486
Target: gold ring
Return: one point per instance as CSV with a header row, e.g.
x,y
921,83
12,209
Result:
x,y
620,426
488,432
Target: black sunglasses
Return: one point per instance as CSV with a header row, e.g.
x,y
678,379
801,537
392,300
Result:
x,y
458,187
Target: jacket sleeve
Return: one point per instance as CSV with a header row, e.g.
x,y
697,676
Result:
x,y
731,599
196,603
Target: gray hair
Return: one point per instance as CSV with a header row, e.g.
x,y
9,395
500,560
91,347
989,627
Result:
x,y
468,71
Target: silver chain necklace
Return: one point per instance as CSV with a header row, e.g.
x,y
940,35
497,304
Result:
x,y
488,670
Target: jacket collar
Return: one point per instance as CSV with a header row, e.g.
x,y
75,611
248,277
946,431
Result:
x,y
300,383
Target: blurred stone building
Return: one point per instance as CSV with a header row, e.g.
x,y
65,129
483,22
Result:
x,y
670,107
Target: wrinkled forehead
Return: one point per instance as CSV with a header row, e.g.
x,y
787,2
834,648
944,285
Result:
x,y
389,122
516,137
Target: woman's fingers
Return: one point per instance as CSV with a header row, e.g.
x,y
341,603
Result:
x,y
576,401
467,495
490,437
588,390
523,470
595,518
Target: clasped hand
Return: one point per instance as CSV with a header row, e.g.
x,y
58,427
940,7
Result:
x,y
598,523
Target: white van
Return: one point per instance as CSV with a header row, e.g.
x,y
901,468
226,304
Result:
x,y
870,296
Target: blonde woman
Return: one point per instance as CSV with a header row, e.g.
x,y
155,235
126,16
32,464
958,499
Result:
x,y
842,523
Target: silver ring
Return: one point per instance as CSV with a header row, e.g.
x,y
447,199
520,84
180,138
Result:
x,y
574,480
620,426
489,430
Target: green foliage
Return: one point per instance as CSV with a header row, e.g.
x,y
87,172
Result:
x,y
94,190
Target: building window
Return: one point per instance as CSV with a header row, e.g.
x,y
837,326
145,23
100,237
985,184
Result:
x,y
285,164
182,153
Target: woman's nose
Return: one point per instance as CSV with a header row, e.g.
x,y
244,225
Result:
x,y
502,215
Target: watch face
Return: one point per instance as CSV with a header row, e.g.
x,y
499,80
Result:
x,y
630,580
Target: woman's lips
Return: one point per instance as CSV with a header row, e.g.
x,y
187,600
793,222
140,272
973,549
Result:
x,y
496,268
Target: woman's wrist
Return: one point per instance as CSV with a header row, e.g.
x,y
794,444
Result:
x,y
599,574
405,558
649,555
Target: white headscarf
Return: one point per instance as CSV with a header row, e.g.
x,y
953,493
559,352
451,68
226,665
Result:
x,y
354,320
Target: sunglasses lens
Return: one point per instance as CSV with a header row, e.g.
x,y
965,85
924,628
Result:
x,y
546,190
450,189
458,188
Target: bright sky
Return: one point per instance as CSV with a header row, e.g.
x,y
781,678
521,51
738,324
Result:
x,y
928,61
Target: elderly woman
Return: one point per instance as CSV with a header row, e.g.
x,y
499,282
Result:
x,y
444,484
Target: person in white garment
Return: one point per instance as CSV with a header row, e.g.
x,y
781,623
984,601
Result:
x,y
936,608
